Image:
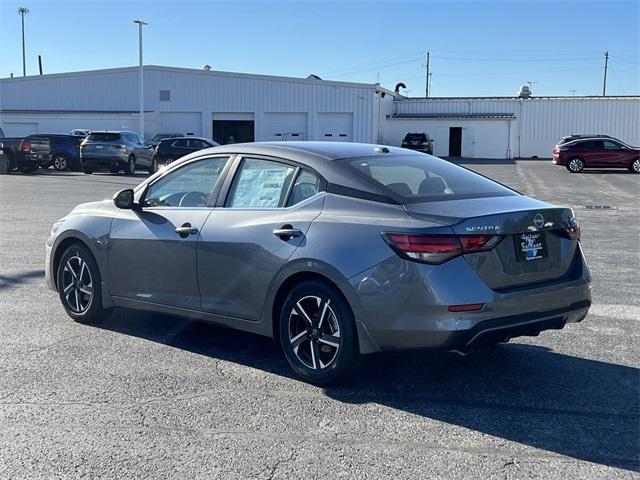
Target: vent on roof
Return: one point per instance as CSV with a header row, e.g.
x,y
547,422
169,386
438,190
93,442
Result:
x,y
313,76
165,95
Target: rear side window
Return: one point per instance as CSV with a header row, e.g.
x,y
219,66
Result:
x,y
103,137
421,178
611,145
261,184
306,186
180,143
591,145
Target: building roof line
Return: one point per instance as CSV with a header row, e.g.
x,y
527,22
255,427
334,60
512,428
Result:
x,y
196,71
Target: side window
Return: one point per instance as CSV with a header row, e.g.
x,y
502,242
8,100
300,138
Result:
x,y
591,145
305,186
611,145
188,186
195,143
260,183
180,143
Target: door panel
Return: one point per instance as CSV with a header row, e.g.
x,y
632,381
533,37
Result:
x,y
239,256
149,261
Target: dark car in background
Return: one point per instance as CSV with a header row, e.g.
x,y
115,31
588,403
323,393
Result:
x,y
64,151
155,140
116,151
170,149
419,142
26,154
577,152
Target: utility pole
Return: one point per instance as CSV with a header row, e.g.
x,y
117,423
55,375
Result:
x,y
22,11
426,79
140,24
606,64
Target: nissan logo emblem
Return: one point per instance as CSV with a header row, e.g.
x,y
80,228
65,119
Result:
x,y
538,220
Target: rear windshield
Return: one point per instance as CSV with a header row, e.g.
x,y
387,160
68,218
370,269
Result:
x,y
420,137
423,178
103,137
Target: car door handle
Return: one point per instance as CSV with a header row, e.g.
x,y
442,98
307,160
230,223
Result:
x,y
287,232
186,230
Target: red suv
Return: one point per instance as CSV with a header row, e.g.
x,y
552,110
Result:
x,y
578,152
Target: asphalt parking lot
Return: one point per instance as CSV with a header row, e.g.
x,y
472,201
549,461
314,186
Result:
x,y
148,396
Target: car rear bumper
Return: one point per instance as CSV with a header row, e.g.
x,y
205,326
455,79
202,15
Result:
x,y
414,313
103,162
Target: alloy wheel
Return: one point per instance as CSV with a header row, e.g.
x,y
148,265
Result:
x,y
314,332
59,162
636,165
77,284
575,165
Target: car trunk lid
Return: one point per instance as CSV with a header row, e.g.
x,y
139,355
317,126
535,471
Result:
x,y
535,245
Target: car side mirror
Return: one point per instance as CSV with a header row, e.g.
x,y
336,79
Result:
x,y
124,199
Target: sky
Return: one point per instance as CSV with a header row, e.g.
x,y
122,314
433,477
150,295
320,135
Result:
x,y
477,48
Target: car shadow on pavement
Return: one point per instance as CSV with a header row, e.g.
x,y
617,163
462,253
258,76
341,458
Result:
x,y
12,280
582,408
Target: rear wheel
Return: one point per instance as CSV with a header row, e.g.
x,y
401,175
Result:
x,y
575,165
318,334
153,168
60,162
635,166
131,166
86,170
79,285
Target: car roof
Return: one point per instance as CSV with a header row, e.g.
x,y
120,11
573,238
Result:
x,y
181,137
320,157
313,150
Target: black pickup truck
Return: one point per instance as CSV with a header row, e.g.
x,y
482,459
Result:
x,y
26,154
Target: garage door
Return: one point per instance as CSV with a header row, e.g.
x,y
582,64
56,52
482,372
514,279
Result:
x,y
19,129
181,122
285,126
335,127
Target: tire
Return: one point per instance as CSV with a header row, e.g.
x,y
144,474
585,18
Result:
x,y
168,161
635,165
79,285
324,350
153,168
130,169
88,171
30,168
114,169
60,162
575,165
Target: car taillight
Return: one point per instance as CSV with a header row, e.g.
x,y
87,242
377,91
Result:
x,y
157,148
437,249
26,145
573,230
118,146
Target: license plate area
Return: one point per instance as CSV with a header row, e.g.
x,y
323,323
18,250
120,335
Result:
x,y
530,246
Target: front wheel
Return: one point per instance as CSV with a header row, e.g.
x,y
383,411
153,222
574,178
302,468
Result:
x,y
635,166
318,334
575,165
79,285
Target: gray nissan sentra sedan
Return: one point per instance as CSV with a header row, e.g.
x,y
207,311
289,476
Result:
x,y
336,250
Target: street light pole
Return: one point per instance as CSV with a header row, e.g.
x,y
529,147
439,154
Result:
x,y
140,24
22,11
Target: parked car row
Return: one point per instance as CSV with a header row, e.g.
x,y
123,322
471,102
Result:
x,y
88,151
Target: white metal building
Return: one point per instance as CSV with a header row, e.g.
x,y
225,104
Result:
x,y
507,127
235,107
221,105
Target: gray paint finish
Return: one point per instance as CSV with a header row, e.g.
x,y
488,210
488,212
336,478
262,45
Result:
x,y
231,271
